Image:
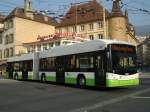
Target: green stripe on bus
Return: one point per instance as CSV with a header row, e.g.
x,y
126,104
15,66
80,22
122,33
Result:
x,y
51,78
19,76
117,83
90,82
6,75
69,80
30,77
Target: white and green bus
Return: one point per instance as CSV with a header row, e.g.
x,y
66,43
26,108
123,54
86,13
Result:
x,y
105,63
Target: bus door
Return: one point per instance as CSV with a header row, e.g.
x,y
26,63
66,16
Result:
x,y
60,70
25,72
10,69
100,70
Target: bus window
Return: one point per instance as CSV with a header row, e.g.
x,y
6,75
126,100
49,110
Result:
x,y
30,65
47,64
71,62
43,64
77,63
99,62
51,62
86,62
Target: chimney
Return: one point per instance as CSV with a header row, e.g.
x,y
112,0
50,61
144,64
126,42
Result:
x,y
27,5
28,8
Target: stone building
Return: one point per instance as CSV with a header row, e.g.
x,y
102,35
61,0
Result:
x,y
143,52
92,20
1,33
23,25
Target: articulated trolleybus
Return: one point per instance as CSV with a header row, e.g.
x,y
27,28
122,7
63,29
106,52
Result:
x,y
103,63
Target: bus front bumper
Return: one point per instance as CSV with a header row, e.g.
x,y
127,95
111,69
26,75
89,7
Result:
x,y
116,80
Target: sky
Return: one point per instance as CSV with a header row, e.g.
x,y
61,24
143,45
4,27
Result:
x,y
136,16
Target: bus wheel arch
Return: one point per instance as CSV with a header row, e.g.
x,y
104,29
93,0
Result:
x,y
16,76
81,81
43,77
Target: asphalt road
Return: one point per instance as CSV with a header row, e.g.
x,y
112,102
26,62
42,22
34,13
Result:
x,y
20,96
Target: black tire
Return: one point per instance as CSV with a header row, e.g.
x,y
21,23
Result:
x,y
81,82
43,78
16,76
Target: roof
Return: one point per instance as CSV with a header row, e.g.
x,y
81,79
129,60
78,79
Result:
x,y
23,57
116,10
83,13
87,46
19,12
1,29
2,17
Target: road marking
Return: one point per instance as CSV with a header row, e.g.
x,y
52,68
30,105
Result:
x,y
140,97
108,102
8,81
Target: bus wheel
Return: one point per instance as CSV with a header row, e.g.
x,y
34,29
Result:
x,y
16,77
81,81
43,78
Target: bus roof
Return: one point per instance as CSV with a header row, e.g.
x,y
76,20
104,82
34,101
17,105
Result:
x,y
23,57
87,46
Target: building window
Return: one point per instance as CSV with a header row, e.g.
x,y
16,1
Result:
x,y
60,30
100,24
6,53
74,28
33,48
1,38
28,49
50,45
11,52
10,24
6,25
82,28
91,37
7,39
38,47
11,38
91,26
44,47
57,43
100,36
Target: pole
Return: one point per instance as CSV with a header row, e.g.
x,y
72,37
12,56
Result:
x,y
104,22
76,16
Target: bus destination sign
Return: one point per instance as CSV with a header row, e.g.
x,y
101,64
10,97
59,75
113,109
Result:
x,y
123,48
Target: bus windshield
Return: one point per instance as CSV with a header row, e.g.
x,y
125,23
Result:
x,y
124,61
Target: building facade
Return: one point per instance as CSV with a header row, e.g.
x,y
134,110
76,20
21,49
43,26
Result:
x,y
23,25
143,51
92,20
1,34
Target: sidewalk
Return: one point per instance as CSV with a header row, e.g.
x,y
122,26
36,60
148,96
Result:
x,y
145,75
7,81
